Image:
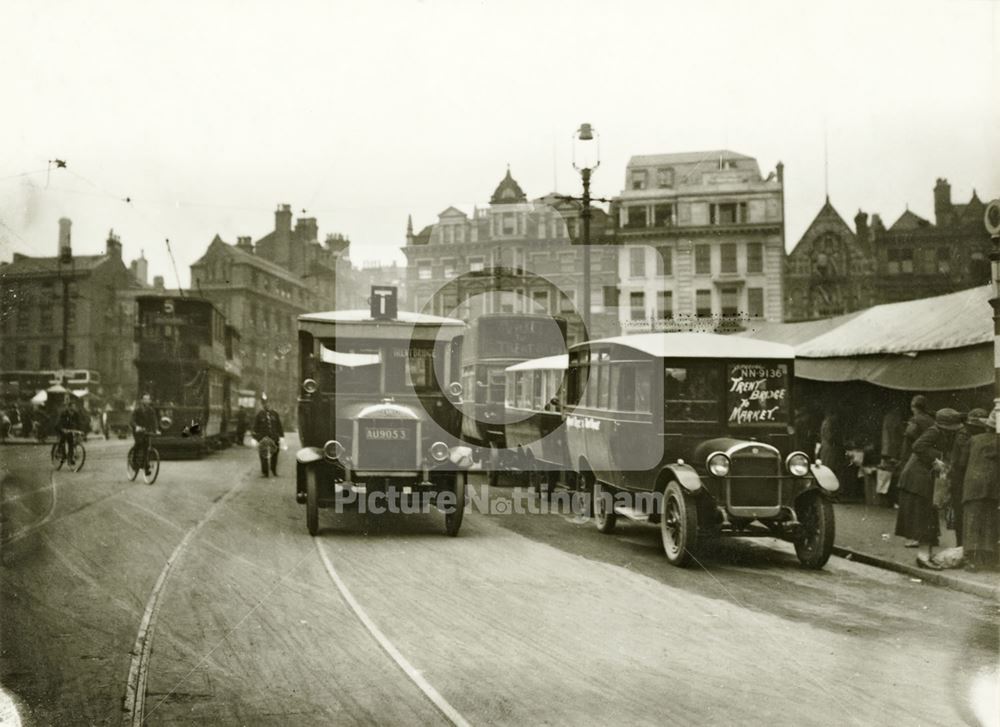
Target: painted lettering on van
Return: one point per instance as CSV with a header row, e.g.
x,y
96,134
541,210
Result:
x,y
575,422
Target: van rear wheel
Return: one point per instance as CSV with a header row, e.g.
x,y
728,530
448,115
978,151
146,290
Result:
x,y
678,525
604,511
453,513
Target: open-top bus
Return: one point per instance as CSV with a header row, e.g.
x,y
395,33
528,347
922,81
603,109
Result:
x,y
378,410
693,431
535,392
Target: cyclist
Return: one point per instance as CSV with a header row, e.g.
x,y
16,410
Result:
x,y
69,420
144,422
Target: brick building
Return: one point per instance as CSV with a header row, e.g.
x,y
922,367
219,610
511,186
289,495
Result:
x,y
514,255
701,239
31,327
261,287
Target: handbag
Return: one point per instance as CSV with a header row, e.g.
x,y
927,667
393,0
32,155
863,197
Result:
x,y
883,478
942,490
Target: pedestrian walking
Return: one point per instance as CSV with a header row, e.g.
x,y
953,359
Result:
x,y
917,519
268,433
956,474
981,497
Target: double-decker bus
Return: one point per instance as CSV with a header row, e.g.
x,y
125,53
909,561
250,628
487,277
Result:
x,y
187,362
494,342
378,410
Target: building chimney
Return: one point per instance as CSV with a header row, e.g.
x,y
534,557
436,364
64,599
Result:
x,y
942,202
283,219
781,172
306,229
245,244
861,225
140,268
65,245
113,247
158,282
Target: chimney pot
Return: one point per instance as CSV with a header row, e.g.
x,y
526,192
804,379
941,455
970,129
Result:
x,y
65,238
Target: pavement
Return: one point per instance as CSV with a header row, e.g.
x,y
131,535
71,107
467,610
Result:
x,y
865,534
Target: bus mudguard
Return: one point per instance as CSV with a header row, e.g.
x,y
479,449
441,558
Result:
x,y
308,455
824,477
685,475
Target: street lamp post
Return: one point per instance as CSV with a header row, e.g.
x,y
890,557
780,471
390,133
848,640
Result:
x,y
992,222
586,159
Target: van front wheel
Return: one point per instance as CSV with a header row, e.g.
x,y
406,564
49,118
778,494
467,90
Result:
x,y
678,525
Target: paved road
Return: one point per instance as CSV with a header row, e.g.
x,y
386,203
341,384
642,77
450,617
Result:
x,y
202,600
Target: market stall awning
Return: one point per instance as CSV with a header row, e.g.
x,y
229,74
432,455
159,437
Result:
x,y
941,343
962,368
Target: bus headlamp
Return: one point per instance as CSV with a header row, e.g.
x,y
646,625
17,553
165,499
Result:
x,y
455,389
797,463
333,450
165,422
310,386
439,451
718,464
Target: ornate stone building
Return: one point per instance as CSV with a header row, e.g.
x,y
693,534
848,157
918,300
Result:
x,y
701,236
515,255
831,270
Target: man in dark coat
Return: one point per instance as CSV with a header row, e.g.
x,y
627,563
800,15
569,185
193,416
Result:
x,y
267,431
981,497
144,423
918,518
959,460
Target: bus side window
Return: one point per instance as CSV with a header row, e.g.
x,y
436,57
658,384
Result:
x,y
604,391
538,391
643,388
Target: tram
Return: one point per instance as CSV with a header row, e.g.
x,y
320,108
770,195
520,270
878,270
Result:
x,y
187,362
378,411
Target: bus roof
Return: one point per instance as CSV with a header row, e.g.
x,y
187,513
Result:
x,y
697,345
364,316
558,362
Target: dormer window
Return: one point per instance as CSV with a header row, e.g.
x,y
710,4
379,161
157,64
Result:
x,y
638,179
665,178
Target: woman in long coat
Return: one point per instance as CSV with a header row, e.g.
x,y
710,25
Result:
x,y
981,497
918,519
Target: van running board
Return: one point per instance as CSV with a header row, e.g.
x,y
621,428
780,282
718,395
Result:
x,y
633,514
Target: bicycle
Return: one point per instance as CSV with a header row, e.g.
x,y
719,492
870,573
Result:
x,y
79,452
134,463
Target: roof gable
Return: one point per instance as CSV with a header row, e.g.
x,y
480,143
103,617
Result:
x,y
453,212
909,221
508,191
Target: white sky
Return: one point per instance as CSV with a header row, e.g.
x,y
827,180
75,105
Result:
x,y
209,114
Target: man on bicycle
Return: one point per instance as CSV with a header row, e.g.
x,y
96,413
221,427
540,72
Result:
x,y
69,421
144,422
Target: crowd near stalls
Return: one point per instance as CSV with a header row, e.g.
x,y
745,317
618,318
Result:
x,y
857,374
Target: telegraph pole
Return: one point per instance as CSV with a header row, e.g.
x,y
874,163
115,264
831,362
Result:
x,y
992,222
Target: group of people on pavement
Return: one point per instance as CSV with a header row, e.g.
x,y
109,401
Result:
x,y
950,466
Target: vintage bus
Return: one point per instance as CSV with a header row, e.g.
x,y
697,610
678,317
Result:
x,y
534,394
378,410
187,362
494,342
693,431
